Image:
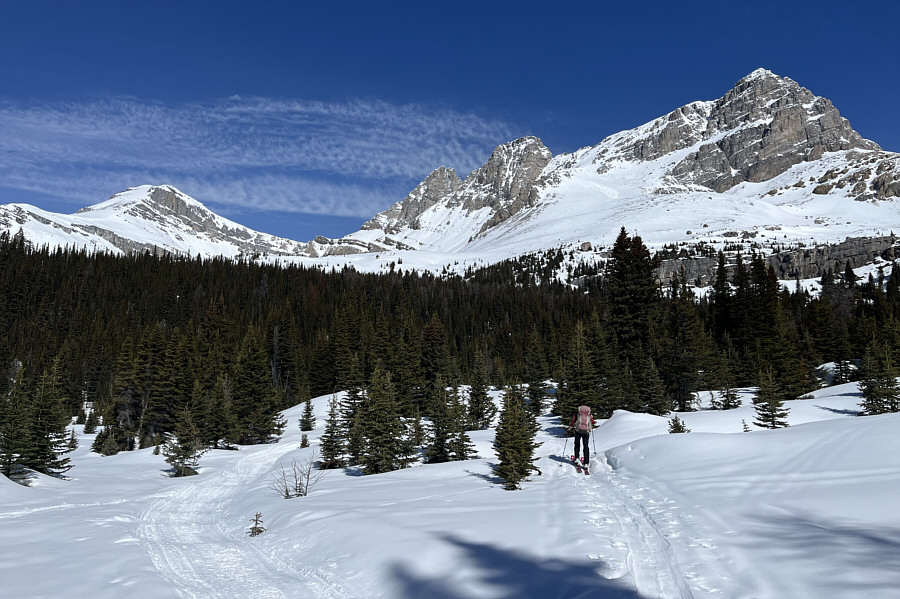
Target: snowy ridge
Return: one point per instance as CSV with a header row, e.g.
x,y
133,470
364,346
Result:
x,y
768,163
146,218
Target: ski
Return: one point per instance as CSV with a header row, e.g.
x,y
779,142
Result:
x,y
576,463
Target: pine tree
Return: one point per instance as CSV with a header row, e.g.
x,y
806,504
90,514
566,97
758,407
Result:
x,y
441,424
632,290
481,408
449,441
514,440
308,419
723,378
459,444
255,400
878,383
389,447
768,402
13,429
535,373
332,439
47,439
582,384
90,422
184,448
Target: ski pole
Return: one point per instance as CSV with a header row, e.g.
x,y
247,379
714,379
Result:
x,y
564,445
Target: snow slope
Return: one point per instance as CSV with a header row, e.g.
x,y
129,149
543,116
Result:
x,y
801,512
794,174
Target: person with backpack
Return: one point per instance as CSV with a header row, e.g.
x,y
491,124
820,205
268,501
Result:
x,y
582,423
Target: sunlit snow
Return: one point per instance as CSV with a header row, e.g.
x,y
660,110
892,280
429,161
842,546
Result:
x,y
803,512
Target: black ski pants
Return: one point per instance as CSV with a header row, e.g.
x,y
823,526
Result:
x,y
581,440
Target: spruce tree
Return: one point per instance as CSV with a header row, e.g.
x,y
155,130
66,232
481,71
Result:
x,y
535,373
632,291
481,408
308,419
213,406
333,438
13,429
47,439
514,440
650,391
726,398
184,448
441,424
90,422
459,443
449,441
686,350
255,401
435,361
357,441
389,447
878,384
582,384
768,402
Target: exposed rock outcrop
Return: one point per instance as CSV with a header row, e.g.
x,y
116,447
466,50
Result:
x,y
763,127
439,185
801,263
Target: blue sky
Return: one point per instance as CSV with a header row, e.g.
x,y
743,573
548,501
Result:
x,y
304,119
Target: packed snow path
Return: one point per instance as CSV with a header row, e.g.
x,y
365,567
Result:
x,y
185,535
644,538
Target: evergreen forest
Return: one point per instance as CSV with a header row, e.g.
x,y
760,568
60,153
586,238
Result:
x,y
143,346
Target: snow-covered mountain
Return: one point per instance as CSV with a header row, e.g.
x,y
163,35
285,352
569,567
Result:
x,y
768,164
768,159
145,218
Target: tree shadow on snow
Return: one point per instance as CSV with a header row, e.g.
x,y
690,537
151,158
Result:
x,y
556,430
514,575
488,477
859,553
561,459
837,411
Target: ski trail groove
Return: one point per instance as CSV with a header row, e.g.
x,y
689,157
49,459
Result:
x,y
649,540
188,542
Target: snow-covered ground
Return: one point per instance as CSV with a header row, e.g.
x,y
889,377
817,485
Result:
x,y
808,511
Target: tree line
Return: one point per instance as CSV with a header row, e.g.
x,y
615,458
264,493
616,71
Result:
x,y
143,340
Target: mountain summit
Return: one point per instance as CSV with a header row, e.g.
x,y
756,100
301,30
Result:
x,y
158,219
760,157
767,163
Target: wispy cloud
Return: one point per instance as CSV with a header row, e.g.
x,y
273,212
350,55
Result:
x,y
345,158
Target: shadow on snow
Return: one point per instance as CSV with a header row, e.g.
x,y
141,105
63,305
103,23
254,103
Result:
x,y
511,574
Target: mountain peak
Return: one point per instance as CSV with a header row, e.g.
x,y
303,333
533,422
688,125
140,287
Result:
x,y
759,73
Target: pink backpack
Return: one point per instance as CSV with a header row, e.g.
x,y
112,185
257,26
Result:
x,y
583,420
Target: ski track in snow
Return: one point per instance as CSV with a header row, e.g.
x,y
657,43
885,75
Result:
x,y
189,543
649,539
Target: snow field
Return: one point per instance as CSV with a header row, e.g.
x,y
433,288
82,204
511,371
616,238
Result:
x,y
800,512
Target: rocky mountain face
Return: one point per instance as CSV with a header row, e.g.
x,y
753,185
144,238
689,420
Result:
x,y
768,165
504,185
800,263
758,131
158,219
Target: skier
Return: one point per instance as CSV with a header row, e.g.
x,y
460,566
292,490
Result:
x,y
582,423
